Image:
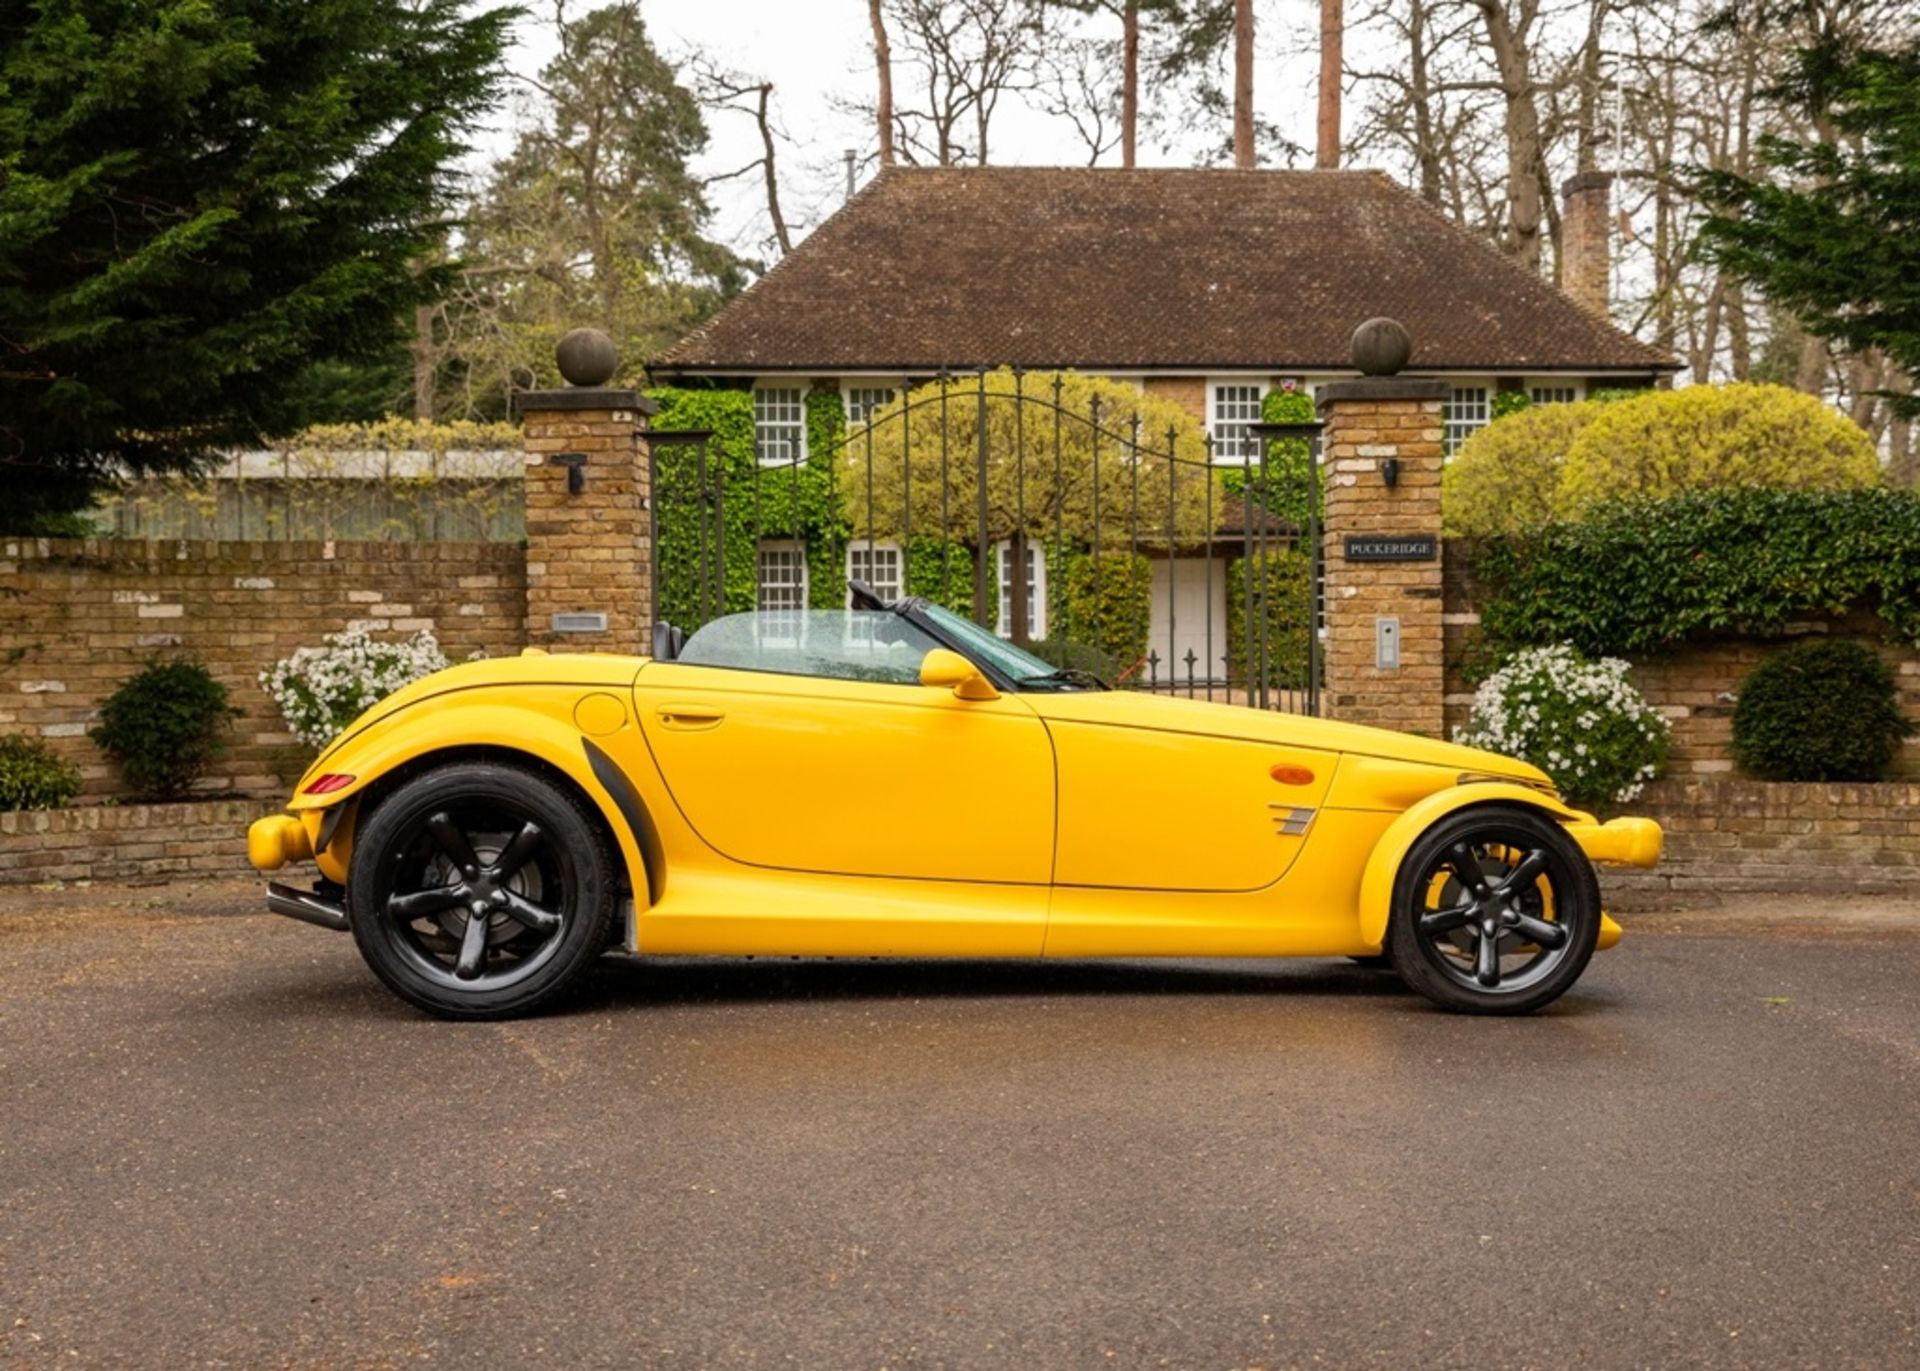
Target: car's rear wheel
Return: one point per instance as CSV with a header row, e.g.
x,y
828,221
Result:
x,y
1495,911
480,891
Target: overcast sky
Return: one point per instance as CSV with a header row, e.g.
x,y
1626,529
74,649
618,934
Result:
x,y
815,50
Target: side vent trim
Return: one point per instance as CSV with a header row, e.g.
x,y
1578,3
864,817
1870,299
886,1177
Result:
x,y
634,810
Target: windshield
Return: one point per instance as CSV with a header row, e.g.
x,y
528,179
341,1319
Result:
x,y
981,645
834,644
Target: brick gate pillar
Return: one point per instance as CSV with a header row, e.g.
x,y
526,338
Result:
x,y
588,483
1381,457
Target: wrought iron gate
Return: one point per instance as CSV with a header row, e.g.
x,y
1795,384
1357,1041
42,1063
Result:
x,y
1043,507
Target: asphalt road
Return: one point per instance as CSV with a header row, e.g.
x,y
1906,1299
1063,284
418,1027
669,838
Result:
x,y
224,1145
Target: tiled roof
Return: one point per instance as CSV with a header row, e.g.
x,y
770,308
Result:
x,y
1175,269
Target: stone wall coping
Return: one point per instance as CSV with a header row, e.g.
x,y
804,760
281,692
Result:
x,y
141,551
583,397
1384,388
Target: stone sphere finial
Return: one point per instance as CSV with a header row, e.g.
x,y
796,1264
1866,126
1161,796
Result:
x,y
587,358
1381,347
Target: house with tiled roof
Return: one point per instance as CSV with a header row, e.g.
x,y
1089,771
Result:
x,y
1208,286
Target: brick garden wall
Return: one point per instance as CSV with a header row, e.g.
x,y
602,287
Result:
x,y
1729,836
78,617
129,842
1694,687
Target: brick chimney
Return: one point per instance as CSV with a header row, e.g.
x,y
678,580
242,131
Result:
x,y
1586,239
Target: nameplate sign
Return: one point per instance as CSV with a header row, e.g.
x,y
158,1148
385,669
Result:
x,y
1392,547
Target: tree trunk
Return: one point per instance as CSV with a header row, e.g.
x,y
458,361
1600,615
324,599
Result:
x,y
1739,345
425,364
1426,149
1243,84
1332,31
773,181
883,59
1522,120
1130,84
1587,135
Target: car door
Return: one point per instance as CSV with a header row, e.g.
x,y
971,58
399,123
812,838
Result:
x,y
1160,794
879,776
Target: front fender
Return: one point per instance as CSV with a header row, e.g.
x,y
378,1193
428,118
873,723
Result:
x,y
539,729
1383,865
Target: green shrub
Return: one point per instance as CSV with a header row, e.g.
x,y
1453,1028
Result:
x,y
163,726
32,777
1819,711
1280,588
1580,721
1505,476
1642,576
1106,604
1739,436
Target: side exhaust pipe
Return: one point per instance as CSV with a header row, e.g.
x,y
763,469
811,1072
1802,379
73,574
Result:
x,y
307,906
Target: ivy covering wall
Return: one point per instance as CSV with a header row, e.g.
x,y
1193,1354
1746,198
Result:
x,y
753,503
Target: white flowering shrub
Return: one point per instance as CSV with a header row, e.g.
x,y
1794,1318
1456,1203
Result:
x,y
320,690
1578,720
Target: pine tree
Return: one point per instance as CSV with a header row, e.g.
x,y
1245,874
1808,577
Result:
x,y
198,202
1833,233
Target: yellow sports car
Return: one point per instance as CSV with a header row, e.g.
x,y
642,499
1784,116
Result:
x,y
894,781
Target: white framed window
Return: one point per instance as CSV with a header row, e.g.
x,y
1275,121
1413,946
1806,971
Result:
x,y
1036,590
862,400
1231,406
1553,395
779,424
880,566
1464,412
783,576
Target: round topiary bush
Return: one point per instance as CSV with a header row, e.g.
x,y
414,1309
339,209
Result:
x,y
163,727
1505,476
1819,711
1739,436
32,777
1580,721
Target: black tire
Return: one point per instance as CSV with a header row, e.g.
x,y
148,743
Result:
x,y
480,836
1474,932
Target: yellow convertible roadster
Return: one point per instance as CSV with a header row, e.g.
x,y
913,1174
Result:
x,y
894,781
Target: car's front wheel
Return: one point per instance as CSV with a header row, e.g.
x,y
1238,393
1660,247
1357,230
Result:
x,y
1495,911
480,891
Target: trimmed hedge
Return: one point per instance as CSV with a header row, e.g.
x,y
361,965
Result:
x,y
1280,590
1640,576
1105,602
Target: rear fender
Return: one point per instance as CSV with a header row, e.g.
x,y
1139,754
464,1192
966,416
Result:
x,y
546,735
1383,865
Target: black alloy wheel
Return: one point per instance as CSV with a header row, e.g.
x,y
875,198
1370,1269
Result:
x,y
479,890
1496,911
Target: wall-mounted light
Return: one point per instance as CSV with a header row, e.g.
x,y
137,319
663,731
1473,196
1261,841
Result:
x,y
1390,472
576,465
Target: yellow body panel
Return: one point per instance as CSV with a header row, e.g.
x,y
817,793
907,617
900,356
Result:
x,y
758,813
853,778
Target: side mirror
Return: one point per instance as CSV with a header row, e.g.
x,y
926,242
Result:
x,y
950,671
